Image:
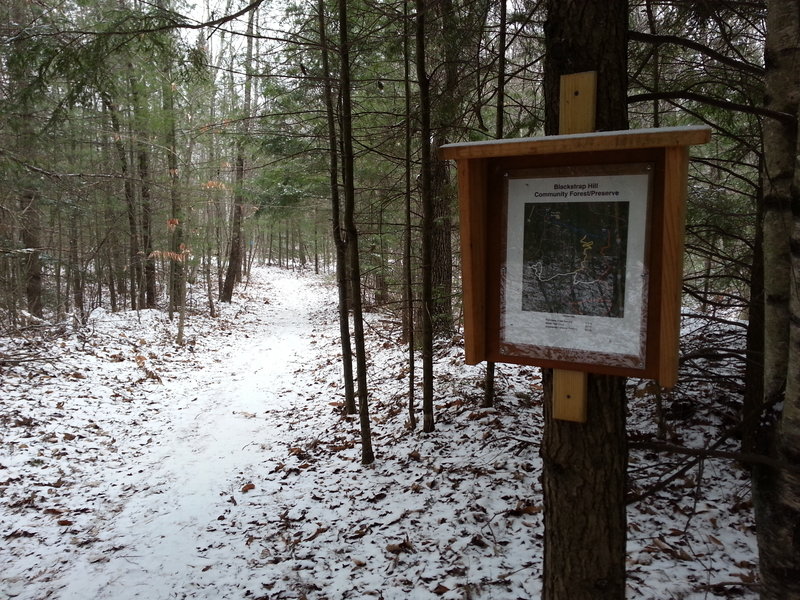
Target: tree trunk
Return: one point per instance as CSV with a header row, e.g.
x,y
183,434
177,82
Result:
x,y
147,228
25,139
233,274
176,225
443,116
147,289
427,221
776,491
176,208
339,240
754,375
408,280
316,244
235,256
584,507
30,240
135,263
367,455
585,464
212,311
76,276
488,380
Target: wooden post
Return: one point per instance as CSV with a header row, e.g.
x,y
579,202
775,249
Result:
x,y
577,103
569,395
576,114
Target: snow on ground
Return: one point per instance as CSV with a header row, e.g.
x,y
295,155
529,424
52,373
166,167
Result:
x,y
135,468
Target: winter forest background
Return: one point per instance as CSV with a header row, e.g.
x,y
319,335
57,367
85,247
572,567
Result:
x,y
155,155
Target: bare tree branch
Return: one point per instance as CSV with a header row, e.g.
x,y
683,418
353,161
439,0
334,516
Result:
x,y
710,100
655,39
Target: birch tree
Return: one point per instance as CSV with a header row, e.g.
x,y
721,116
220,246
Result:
x,y
777,490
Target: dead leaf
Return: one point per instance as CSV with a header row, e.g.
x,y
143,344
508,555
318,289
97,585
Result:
x,y
440,589
745,564
65,522
522,508
247,487
319,531
98,558
746,577
19,533
478,541
477,415
662,545
359,563
299,453
404,546
360,532
340,447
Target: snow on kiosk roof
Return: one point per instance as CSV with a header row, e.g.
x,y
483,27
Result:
x,y
594,141
572,249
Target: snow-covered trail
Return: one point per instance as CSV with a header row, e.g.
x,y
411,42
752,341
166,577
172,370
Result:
x,y
217,433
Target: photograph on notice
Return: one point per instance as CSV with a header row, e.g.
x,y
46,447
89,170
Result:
x,y
574,258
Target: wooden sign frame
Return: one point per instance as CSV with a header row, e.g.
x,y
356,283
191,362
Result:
x,y
484,172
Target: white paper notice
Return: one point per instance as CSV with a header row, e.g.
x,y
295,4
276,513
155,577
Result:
x,y
575,274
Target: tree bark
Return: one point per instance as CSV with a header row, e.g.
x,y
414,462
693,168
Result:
x,y
134,254
367,455
499,123
585,464
143,157
147,289
780,144
233,273
444,102
776,492
583,484
408,279
29,210
75,271
176,225
235,255
426,193
339,241
754,375
26,142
